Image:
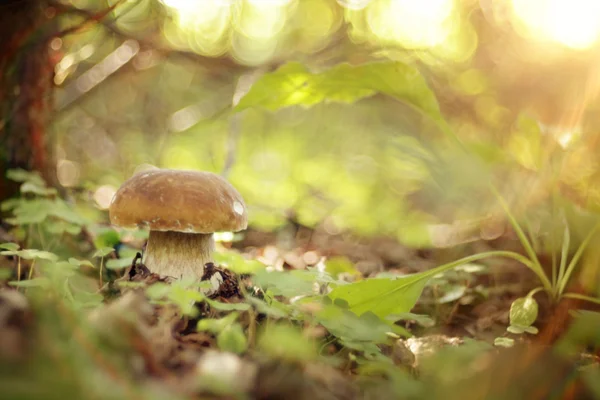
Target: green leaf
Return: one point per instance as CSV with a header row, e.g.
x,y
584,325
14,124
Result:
x,y
424,320
286,342
275,309
79,263
293,84
238,264
41,282
217,305
40,190
344,324
523,311
30,254
103,252
20,175
118,263
216,325
504,342
232,339
9,246
340,265
519,329
382,297
452,293
288,284
59,227
158,290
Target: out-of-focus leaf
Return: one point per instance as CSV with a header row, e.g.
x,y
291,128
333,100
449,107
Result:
x,y
275,309
40,282
59,227
21,175
523,311
286,342
217,305
79,263
340,265
525,144
9,246
293,84
504,342
217,325
519,329
102,252
30,254
452,293
237,263
382,297
344,324
232,339
288,284
30,187
423,320
118,264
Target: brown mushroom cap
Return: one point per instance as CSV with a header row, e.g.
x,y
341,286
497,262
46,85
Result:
x,y
182,201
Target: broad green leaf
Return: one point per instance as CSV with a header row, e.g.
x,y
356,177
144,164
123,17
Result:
x,y
382,297
232,339
293,84
9,246
102,252
344,324
523,311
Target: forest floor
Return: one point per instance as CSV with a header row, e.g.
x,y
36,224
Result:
x,y
237,342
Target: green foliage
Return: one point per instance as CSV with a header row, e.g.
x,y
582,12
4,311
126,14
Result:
x,y
292,84
287,343
523,313
237,263
230,335
383,297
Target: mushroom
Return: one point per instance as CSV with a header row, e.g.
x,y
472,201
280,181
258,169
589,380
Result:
x,y
182,209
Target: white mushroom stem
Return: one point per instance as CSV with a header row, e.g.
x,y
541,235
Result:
x,y
177,254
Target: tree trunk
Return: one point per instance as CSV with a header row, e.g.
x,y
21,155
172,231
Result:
x,y
26,82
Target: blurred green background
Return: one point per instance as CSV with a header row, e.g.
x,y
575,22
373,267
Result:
x,y
515,81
